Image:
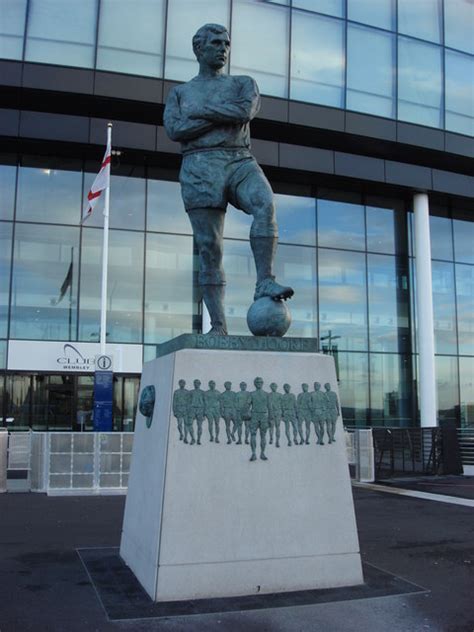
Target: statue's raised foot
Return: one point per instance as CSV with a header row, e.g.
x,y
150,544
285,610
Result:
x,y
269,287
253,457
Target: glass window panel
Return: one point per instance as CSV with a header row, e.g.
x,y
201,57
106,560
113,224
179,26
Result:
x,y
6,229
353,370
465,308
296,217
237,223
459,93
421,19
136,49
49,195
447,387
390,390
413,312
130,399
463,241
380,229
253,48
370,71
184,19
7,191
61,406
124,287
240,275
165,208
40,409
388,304
45,276
343,298
12,28
61,33
411,239
170,302
419,82
466,378
85,407
3,364
18,401
379,13
444,307
331,7
293,266
459,24
441,238
386,224
296,267
317,59
127,202
341,225
117,407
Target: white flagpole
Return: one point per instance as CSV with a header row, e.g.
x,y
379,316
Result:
x,y
105,258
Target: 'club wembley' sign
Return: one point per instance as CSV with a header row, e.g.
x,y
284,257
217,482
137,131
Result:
x,y
84,357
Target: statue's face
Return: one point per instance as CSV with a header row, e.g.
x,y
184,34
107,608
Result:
x,y
197,383
212,385
215,50
243,386
273,386
227,385
317,386
182,383
258,382
327,386
286,388
304,387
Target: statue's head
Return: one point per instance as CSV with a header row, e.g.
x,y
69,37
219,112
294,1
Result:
x,y
227,386
304,387
212,385
181,383
286,388
211,45
317,386
197,383
273,386
327,386
243,386
258,382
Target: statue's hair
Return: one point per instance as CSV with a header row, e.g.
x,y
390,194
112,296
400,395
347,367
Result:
x,y
203,33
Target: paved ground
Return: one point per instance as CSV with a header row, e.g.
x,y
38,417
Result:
x,y
44,587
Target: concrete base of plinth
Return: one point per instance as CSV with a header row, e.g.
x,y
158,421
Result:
x,y
203,521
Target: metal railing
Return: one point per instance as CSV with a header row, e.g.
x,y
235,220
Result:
x,y
407,451
466,445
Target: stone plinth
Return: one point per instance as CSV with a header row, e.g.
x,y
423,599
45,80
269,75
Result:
x,y
203,521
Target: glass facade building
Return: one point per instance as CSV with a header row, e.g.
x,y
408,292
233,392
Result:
x,y
365,102
399,59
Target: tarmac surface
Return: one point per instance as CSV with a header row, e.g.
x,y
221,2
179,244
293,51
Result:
x,y
45,586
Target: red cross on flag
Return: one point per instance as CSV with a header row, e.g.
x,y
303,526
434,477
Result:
x,y
101,183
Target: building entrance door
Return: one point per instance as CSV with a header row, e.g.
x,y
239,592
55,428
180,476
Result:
x,y
60,396
84,403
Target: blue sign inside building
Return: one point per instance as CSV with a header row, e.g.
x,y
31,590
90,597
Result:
x,y
103,401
